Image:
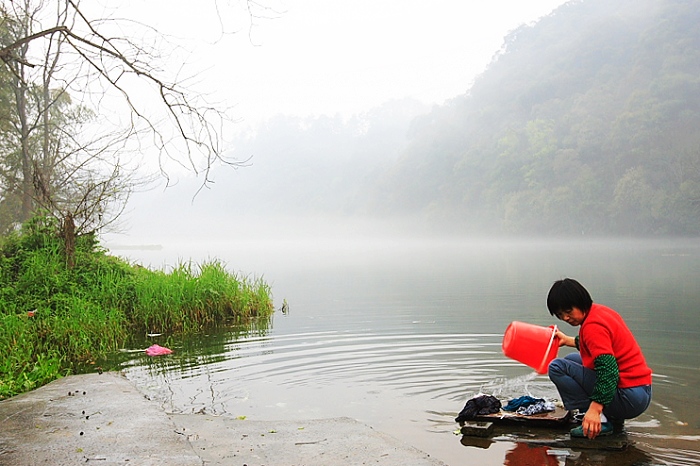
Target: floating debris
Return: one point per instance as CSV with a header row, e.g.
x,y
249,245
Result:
x,y
157,350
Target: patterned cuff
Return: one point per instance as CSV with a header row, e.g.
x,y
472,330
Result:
x,y
607,377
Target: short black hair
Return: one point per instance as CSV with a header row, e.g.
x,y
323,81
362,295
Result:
x,y
567,294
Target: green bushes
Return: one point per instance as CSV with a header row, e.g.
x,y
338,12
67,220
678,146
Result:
x,y
55,318
22,367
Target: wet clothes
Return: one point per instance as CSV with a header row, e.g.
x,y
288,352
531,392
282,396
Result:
x,y
528,405
479,406
521,402
537,408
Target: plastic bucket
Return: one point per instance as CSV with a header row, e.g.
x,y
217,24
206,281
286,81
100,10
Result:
x,y
532,345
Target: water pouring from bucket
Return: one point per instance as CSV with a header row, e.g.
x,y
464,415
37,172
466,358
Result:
x,y
532,345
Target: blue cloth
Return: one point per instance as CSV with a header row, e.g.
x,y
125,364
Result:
x,y
522,402
576,382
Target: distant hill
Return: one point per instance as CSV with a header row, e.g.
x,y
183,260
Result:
x,y
587,122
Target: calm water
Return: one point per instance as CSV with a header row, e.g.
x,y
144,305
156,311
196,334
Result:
x,y
399,334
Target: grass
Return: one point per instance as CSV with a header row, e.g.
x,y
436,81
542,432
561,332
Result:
x,y
55,319
204,296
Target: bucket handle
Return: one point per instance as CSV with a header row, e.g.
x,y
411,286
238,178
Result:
x,y
549,347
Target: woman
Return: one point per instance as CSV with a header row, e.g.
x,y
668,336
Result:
x,y
608,378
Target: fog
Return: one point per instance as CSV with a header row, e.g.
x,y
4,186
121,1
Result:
x,y
328,98
308,60
300,178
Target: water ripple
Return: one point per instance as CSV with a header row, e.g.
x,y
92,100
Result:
x,y
408,360
447,367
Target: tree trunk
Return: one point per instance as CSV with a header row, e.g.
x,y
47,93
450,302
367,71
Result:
x,y
69,240
27,185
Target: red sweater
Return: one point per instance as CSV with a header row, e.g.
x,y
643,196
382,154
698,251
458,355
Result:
x,y
604,332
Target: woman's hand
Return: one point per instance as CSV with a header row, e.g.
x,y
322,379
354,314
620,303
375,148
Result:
x,y
591,420
565,340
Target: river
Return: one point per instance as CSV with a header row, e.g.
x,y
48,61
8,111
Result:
x,y
400,333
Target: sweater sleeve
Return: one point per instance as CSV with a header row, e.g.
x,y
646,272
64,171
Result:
x,y
608,376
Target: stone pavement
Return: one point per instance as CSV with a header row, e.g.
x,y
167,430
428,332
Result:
x,y
103,419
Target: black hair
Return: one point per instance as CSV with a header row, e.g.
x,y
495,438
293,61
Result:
x,y
567,294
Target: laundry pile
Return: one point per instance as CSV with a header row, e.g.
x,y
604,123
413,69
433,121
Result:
x,y
483,405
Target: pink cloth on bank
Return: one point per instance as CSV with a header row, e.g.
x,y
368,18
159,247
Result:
x,y
157,350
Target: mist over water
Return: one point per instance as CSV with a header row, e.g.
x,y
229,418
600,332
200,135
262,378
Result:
x,y
399,330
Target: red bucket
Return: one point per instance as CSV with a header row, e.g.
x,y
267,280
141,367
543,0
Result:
x,y
532,345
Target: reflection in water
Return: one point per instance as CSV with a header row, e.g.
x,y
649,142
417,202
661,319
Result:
x,y
631,456
676,456
478,442
530,455
194,351
542,447
400,340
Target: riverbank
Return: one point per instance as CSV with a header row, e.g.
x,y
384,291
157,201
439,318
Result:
x,y
75,310
103,418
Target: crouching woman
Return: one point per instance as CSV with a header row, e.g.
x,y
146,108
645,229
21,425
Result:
x,y
608,379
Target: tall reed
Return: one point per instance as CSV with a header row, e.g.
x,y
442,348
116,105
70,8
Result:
x,y
190,298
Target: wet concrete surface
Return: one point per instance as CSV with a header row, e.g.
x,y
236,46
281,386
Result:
x,y
103,419
337,441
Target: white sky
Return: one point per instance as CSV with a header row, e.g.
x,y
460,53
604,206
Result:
x,y
331,56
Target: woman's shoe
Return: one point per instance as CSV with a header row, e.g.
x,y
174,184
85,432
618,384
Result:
x,y
618,426
606,428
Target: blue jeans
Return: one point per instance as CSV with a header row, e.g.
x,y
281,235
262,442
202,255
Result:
x,y
575,384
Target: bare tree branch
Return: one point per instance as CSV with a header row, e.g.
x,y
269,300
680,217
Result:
x,y
6,52
77,176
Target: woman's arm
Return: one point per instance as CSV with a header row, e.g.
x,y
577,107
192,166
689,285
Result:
x,y
607,377
565,340
591,424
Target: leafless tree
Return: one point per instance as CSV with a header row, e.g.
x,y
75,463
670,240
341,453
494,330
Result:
x,y
62,68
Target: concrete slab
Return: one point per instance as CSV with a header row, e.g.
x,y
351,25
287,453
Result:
x,y
322,442
104,419
99,418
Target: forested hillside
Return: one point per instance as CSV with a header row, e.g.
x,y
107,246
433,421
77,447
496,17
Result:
x,y
587,122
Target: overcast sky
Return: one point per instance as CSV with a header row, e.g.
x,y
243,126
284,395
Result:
x,y
332,56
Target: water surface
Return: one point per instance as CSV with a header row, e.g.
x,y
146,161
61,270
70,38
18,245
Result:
x,y
398,334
